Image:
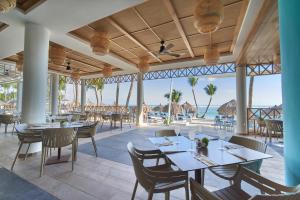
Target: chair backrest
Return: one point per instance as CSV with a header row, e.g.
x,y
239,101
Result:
x,y
20,128
7,119
126,116
261,122
58,137
165,132
142,176
75,117
106,117
249,143
274,125
271,190
91,129
116,117
200,193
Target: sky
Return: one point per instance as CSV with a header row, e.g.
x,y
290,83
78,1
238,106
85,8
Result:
x,y
266,92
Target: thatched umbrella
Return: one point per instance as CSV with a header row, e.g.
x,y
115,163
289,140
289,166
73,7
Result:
x,y
158,108
188,108
175,108
228,108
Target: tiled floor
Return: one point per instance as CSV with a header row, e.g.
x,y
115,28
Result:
x,y
100,178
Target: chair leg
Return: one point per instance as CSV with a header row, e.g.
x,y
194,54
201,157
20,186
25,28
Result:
x,y
20,146
150,194
134,189
157,161
6,128
14,126
187,190
27,151
95,147
73,154
167,195
42,162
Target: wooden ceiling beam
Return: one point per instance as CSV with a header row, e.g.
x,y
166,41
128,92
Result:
x,y
144,21
255,28
122,30
84,63
175,18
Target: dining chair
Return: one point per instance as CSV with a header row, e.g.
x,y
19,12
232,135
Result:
x,y
270,189
88,132
143,155
227,172
105,118
57,138
157,179
25,137
165,133
126,118
8,119
261,125
116,117
274,127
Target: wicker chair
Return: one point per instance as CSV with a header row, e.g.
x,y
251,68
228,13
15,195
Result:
x,y
271,190
165,133
115,118
261,125
8,119
143,155
229,171
57,138
106,117
25,137
126,118
274,127
88,132
157,179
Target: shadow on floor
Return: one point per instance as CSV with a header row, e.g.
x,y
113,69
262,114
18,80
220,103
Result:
x,y
12,187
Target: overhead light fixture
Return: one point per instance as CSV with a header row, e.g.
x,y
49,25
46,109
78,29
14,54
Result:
x,y
144,64
57,55
208,14
107,70
100,43
68,66
7,5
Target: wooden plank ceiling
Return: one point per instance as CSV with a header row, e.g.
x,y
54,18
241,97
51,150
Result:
x,y
79,62
137,31
25,6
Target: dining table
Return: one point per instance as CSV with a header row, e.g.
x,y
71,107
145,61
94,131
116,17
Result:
x,y
42,126
184,154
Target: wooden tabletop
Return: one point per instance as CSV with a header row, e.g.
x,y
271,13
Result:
x,y
178,150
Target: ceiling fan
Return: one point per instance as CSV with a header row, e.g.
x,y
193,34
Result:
x,y
68,67
165,50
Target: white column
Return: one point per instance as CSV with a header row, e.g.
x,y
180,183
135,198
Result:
x,y
140,100
54,93
35,73
19,96
83,94
241,98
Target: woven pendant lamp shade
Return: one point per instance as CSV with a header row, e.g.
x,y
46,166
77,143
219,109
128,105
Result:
x,y
208,15
75,75
6,5
144,64
107,71
19,63
57,55
211,56
100,43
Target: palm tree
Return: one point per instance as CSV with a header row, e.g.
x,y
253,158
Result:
x,y
130,91
97,85
193,81
176,96
61,88
210,90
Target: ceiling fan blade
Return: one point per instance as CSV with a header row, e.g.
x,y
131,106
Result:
x,y
173,54
169,46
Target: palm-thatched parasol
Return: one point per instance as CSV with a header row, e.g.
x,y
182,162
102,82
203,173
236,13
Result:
x,y
175,108
228,108
188,108
158,108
